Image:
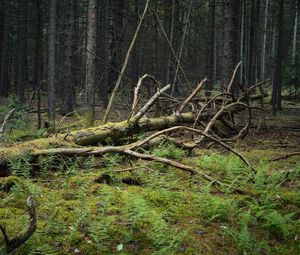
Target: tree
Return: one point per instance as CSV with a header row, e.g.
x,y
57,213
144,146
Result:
x,y
90,58
21,63
231,39
104,14
117,37
264,41
38,64
277,78
69,94
210,47
4,48
51,60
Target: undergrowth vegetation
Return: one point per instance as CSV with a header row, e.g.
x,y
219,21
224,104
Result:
x,y
18,127
166,212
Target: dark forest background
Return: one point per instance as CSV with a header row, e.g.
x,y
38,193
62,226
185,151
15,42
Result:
x,y
72,51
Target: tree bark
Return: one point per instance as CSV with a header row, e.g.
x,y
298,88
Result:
x,y
90,58
51,61
118,23
104,15
278,70
231,39
69,95
210,48
4,50
38,63
21,64
264,40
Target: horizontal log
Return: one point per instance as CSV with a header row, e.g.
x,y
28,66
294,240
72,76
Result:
x,y
115,131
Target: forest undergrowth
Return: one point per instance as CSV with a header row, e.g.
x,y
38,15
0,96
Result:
x,y
116,205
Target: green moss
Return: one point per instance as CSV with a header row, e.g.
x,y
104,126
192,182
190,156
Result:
x,y
171,213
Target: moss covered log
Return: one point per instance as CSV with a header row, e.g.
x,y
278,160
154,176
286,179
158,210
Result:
x,y
100,135
115,131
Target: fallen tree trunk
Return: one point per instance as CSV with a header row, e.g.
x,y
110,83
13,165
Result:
x,y
115,131
98,140
94,136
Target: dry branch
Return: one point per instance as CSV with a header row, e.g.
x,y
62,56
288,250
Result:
x,y
191,96
126,150
136,92
2,128
148,105
116,88
297,153
13,244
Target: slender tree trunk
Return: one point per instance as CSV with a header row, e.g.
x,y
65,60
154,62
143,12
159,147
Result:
x,y
126,61
90,58
104,52
4,50
38,63
118,23
51,61
231,34
252,48
264,41
242,43
2,26
69,94
278,70
210,47
172,25
21,50
294,49
136,57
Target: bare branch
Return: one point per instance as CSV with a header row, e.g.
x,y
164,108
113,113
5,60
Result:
x,y
191,96
6,119
137,89
114,93
16,242
233,77
149,104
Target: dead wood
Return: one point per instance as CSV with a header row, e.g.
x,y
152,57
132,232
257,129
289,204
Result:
x,y
297,153
220,110
13,244
126,61
5,121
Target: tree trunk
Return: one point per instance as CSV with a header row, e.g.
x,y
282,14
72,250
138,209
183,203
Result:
x,y
278,70
116,58
210,47
38,63
21,50
104,51
136,57
51,61
90,58
2,26
264,40
69,95
231,40
4,50
252,48
96,135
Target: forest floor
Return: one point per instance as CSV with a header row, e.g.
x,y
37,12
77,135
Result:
x,y
114,205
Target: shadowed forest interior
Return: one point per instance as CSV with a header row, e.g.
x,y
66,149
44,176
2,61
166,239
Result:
x,y
150,127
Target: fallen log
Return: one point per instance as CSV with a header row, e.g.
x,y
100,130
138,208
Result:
x,y
103,134
98,140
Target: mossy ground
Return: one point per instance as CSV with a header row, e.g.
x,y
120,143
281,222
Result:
x,y
170,213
